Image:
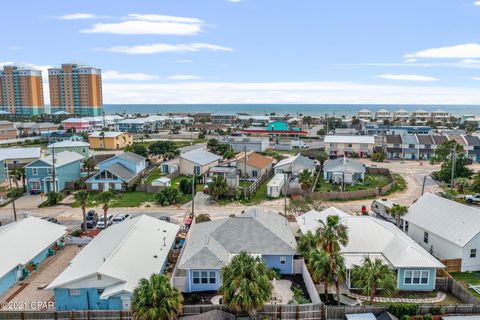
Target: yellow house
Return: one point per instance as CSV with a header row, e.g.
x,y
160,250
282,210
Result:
x,y
110,140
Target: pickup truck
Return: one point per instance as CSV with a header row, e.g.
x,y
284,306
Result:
x,y
473,198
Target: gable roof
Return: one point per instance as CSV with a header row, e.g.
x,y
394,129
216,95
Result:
x,y
254,160
425,139
306,162
211,244
68,143
120,171
61,159
115,253
344,164
31,236
20,153
131,157
393,139
450,220
439,139
472,140
200,156
409,139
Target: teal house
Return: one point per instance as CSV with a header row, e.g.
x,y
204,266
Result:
x,y
39,173
117,173
377,239
26,243
80,147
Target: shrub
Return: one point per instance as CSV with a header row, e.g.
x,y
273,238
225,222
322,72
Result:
x,y
405,317
185,186
401,309
428,317
378,157
437,310
53,198
202,218
168,196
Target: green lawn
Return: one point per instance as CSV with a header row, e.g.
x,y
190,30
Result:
x,y
466,278
371,181
244,183
121,200
155,174
259,196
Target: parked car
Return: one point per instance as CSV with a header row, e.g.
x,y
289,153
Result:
x,y
102,224
121,217
92,219
164,218
473,198
51,219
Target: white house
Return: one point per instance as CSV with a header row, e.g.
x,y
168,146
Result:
x,y
295,165
447,229
105,273
343,170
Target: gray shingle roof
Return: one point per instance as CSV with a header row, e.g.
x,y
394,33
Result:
x,y
121,171
472,140
393,139
344,165
131,157
439,139
425,139
210,244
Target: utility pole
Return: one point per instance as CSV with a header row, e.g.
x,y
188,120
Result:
x,y
423,185
193,196
53,168
14,210
454,159
286,180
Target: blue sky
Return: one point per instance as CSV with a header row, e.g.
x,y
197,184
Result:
x,y
257,51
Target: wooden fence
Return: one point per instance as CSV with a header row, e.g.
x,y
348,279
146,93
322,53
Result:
x,y
70,315
360,193
456,289
452,265
309,311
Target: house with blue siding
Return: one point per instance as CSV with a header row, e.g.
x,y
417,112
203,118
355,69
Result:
x,y
211,245
117,173
31,241
11,158
105,273
379,239
39,173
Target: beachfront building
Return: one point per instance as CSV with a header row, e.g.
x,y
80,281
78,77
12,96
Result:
x,y
76,89
209,247
77,124
21,91
420,116
105,273
39,173
225,118
346,145
26,243
401,116
110,140
379,239
446,228
441,116
383,115
365,114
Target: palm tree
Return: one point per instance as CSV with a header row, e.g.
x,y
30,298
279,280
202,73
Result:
x,y
305,244
322,157
246,284
89,165
320,268
372,276
332,235
398,211
17,174
82,198
306,180
218,187
105,198
156,299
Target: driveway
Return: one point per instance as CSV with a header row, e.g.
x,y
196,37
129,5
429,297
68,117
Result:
x,y
33,296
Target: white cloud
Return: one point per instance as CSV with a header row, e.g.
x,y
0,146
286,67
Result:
x,y
42,68
476,3
410,60
183,61
115,75
136,23
183,77
287,92
475,78
462,51
77,16
406,77
163,47
14,48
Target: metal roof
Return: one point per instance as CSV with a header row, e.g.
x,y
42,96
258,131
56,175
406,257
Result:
x,y
23,240
344,164
20,153
212,244
106,134
450,220
131,157
200,156
350,139
115,253
61,158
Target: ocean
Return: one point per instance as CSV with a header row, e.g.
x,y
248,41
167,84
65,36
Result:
x,y
347,110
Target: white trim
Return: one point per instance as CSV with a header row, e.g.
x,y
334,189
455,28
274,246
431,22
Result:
x,y
34,171
420,278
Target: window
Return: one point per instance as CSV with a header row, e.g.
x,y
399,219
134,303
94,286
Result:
x,y
473,253
411,146
213,278
416,277
425,237
74,292
99,277
35,185
204,277
49,171
283,260
35,171
196,170
196,277
254,173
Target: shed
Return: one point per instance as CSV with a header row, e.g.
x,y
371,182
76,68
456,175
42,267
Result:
x,y
162,182
275,186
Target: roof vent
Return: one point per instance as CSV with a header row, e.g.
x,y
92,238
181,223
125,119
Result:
x,y
155,256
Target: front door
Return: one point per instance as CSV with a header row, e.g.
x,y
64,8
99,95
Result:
x,y
106,186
